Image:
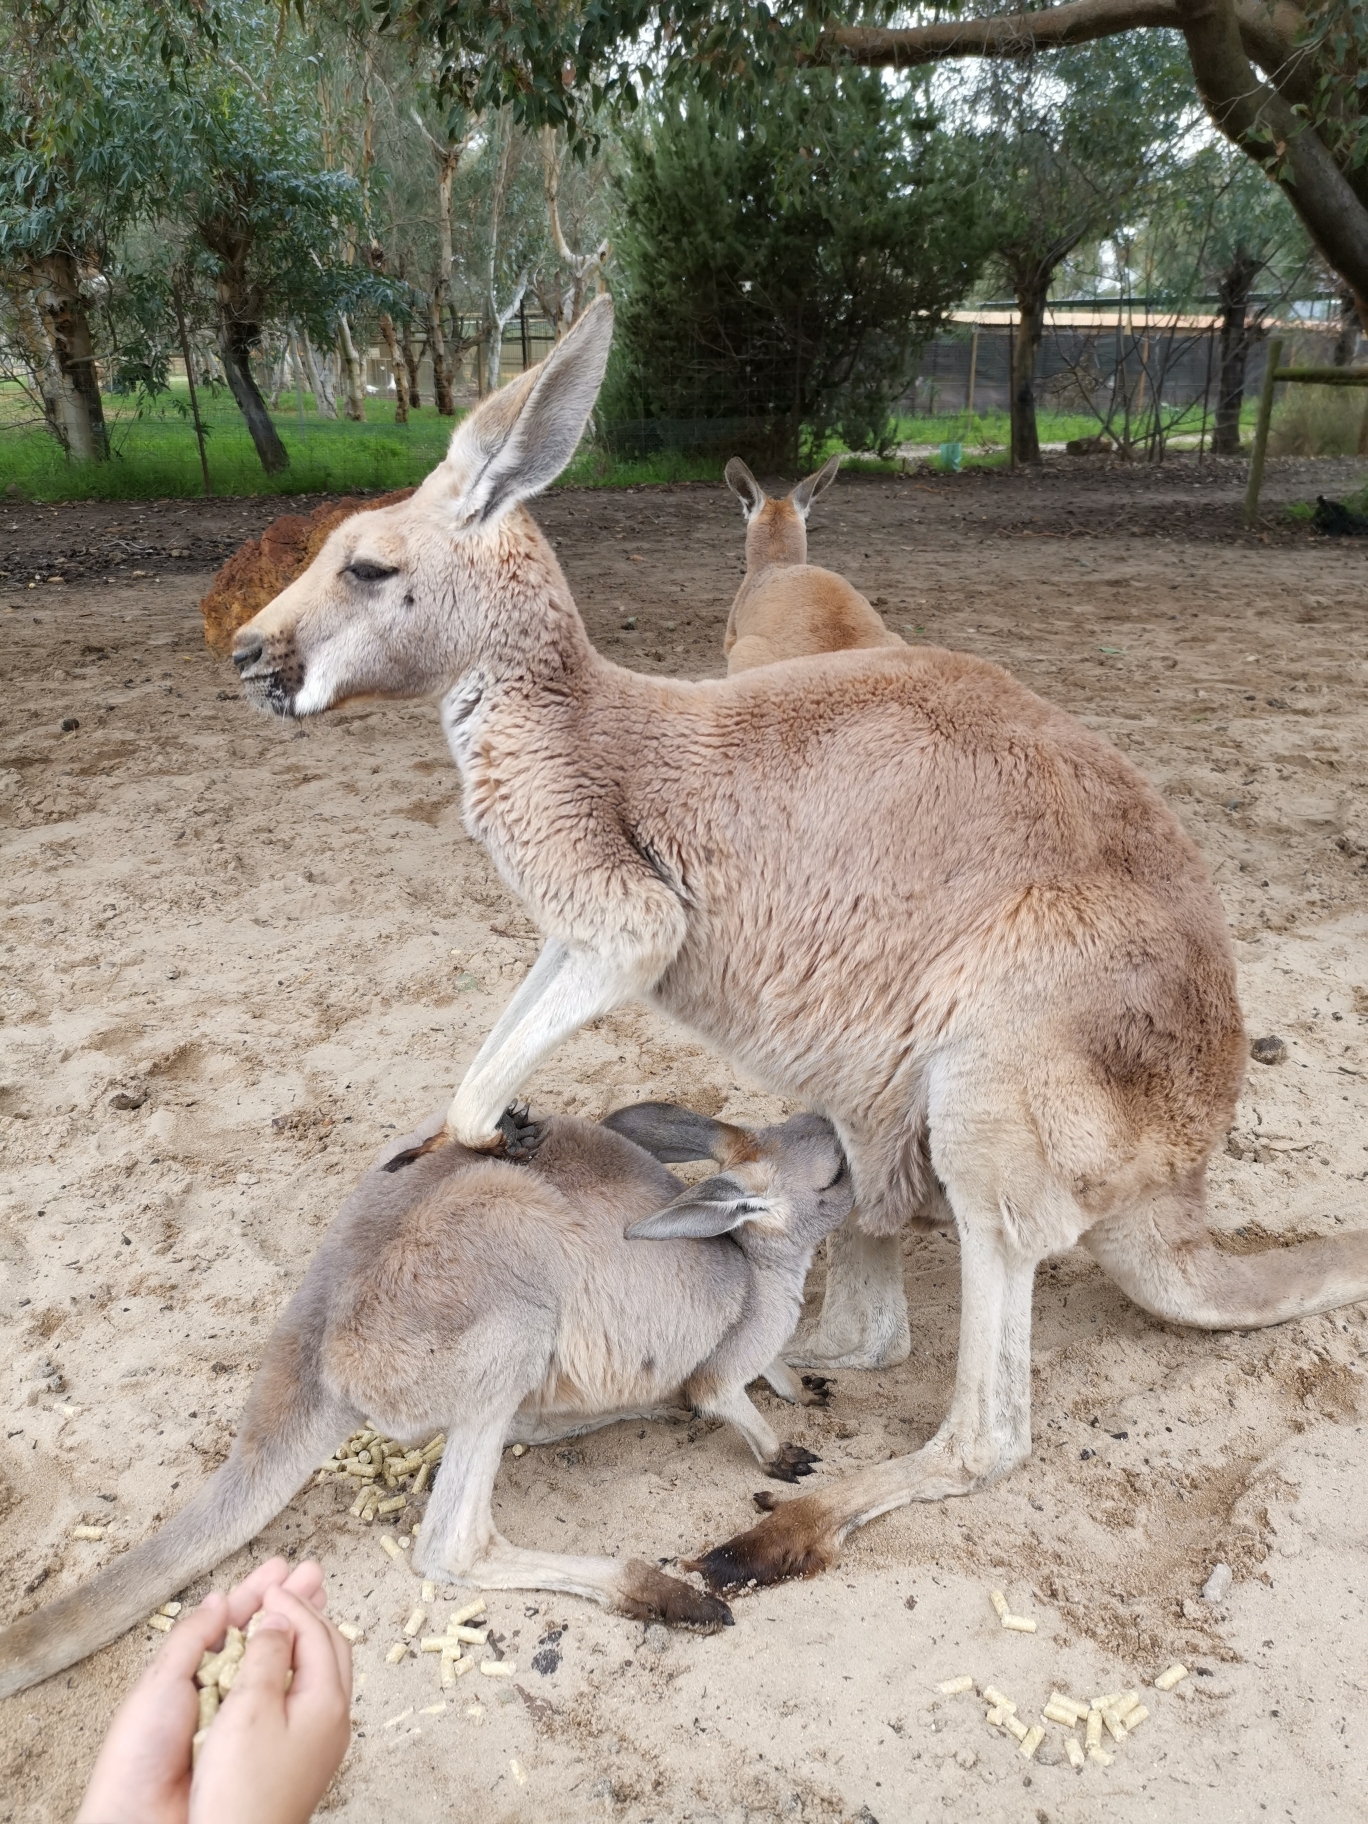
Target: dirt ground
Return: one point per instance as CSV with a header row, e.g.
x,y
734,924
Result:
x,y
281,946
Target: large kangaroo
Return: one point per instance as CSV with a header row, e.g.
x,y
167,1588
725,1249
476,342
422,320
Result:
x,y
896,886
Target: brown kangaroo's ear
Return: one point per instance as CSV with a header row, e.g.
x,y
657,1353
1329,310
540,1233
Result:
x,y
811,486
714,1207
521,437
745,487
673,1134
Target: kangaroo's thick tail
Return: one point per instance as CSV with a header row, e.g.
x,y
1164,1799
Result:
x,y
290,1425
1161,1255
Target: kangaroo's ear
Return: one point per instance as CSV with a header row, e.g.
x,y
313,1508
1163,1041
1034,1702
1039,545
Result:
x,y
521,437
673,1134
811,486
714,1207
745,487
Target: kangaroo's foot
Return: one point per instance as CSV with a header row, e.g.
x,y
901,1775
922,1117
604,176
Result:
x,y
441,1138
789,1462
818,1389
520,1134
864,1314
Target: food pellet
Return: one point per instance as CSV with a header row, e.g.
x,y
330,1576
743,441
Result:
x,y
1109,1702
1019,1624
162,1623
420,1480
439,1643
1067,1703
87,1532
1126,1703
1031,1741
991,1695
415,1622
497,1668
396,1653
518,1774
999,1602
1060,1713
429,1592
520,1450
1101,1756
1093,1734
1134,1718
956,1687
473,1637
393,1505
388,1545
1167,1680
349,1631
1116,1729
995,1716
432,1709
468,1612
196,1743
170,1608
208,1705
1074,1752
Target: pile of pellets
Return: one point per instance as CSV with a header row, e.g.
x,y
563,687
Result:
x,y
386,1472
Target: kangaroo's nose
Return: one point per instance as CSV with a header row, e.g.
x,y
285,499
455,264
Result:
x,y
248,655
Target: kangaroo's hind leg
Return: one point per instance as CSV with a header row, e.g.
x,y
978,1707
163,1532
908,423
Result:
x,y
459,1541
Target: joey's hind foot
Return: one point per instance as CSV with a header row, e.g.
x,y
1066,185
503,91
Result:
x,y
407,1157
789,1462
794,1540
647,1594
820,1388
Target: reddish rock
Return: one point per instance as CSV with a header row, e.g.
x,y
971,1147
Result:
x,y
260,569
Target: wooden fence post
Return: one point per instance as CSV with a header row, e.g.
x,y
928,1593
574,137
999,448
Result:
x,y
1256,461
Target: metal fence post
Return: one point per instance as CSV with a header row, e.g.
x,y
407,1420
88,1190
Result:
x,y
1256,461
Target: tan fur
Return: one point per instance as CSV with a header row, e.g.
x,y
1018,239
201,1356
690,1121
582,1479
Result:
x,y
787,608
499,1302
896,886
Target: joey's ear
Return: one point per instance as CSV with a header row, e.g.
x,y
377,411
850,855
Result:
x,y
714,1207
745,487
811,486
673,1134
518,441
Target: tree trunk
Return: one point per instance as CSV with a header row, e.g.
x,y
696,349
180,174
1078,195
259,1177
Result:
x,y
1236,283
1031,295
351,367
388,337
73,347
236,338
412,361
40,358
1347,341
324,403
441,373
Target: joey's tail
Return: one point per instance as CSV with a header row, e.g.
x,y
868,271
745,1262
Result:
x,y
1163,1258
290,1425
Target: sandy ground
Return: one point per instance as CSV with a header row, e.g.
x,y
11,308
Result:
x,y
284,938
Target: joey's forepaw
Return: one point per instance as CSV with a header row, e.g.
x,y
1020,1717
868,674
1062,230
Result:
x,y
789,1462
521,1134
820,1388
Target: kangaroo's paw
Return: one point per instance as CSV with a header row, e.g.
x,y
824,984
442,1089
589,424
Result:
x,y
647,1594
819,1389
407,1157
521,1135
789,1462
797,1540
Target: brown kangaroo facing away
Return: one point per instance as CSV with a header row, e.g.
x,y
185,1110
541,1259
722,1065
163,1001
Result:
x,y
895,886
500,1302
787,608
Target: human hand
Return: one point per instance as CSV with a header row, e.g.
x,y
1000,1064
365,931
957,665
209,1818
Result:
x,y
142,1772
276,1742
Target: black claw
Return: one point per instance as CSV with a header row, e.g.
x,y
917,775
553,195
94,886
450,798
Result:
x,y
821,1387
521,1134
790,1462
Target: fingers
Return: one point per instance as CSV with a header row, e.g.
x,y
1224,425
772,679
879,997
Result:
x,y
194,1634
306,1582
244,1599
322,1658
269,1656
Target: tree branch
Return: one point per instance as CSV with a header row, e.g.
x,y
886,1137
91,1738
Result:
x,y
1009,35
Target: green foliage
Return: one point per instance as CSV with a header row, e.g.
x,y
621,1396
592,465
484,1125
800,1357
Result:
x,y
780,258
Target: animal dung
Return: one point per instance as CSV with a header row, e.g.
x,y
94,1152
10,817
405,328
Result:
x,y
1174,1675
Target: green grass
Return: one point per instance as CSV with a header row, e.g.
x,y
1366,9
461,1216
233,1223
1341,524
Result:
x,y
156,456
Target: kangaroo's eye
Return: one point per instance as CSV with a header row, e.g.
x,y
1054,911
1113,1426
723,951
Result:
x,y
371,573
